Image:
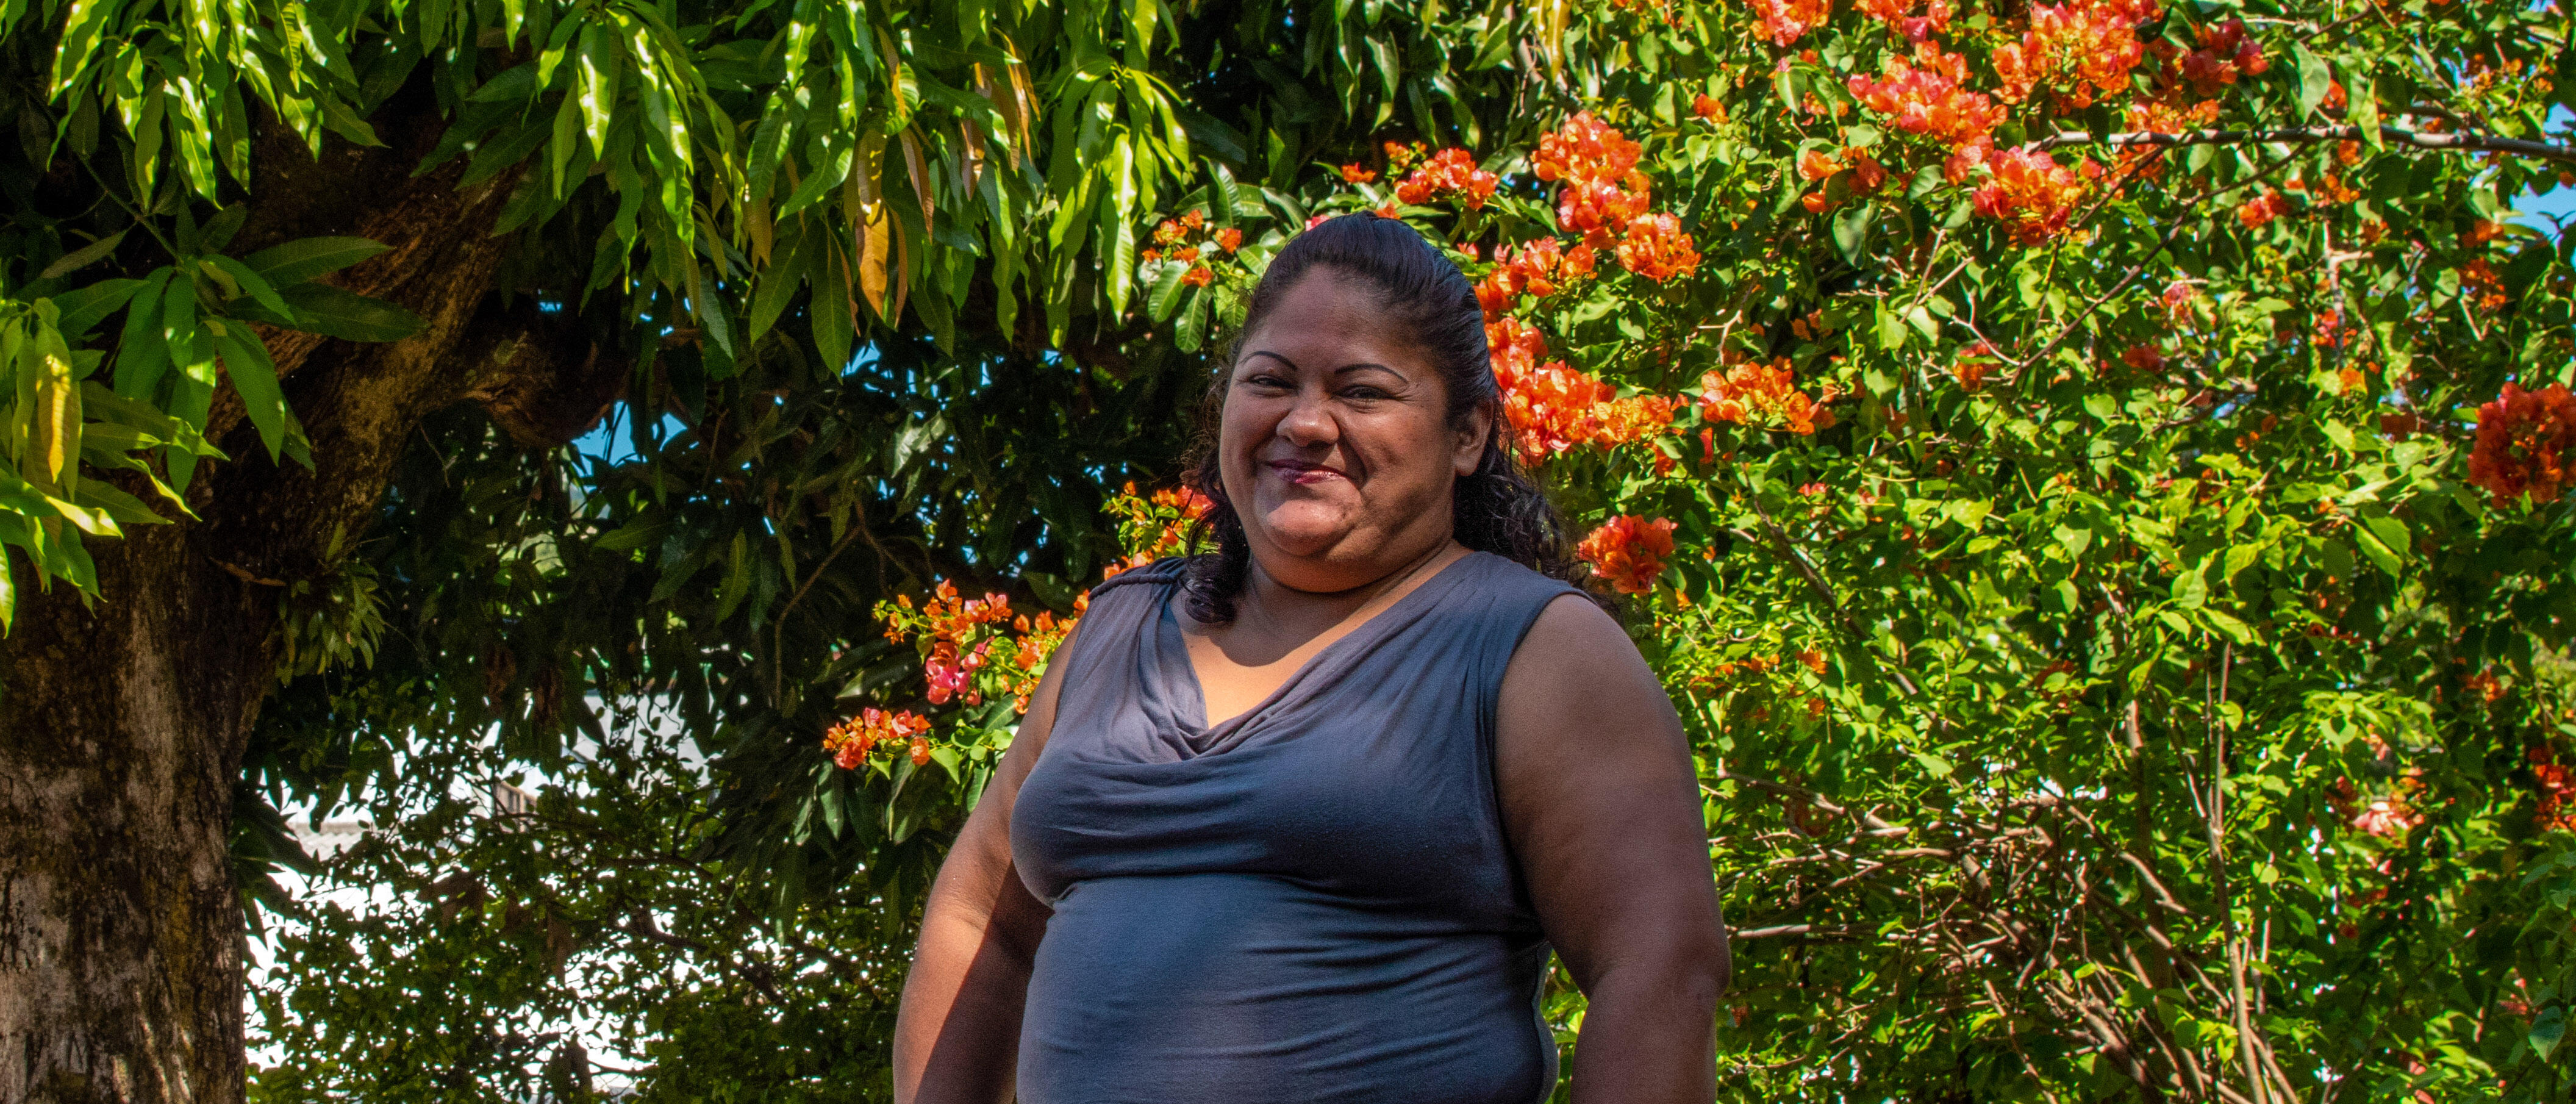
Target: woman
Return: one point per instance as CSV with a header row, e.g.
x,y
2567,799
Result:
x,y
1301,820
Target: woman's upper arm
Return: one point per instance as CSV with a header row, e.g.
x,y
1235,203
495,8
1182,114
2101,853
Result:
x,y
1601,799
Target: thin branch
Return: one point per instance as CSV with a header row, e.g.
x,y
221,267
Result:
x,y
2310,135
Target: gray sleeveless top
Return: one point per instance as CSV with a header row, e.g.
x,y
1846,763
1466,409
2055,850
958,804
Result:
x,y
1310,902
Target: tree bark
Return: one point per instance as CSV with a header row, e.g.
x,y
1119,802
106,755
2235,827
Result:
x,y
123,722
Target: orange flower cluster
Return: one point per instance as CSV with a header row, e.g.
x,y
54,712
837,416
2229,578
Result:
x,y
1552,407
1549,407
1758,393
1657,249
1925,96
1597,166
1152,527
1188,239
1629,552
1356,173
2330,189
2080,49
2033,195
1866,175
2483,286
1536,269
1901,16
1514,344
853,740
1450,172
2164,115
2226,53
1975,363
1604,198
2263,209
1706,106
2524,442
2557,792
1787,21
958,636
949,622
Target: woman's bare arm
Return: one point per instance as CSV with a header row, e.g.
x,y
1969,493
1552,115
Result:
x,y
957,1036
1602,805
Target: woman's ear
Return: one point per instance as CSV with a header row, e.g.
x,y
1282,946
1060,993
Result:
x,y
1477,428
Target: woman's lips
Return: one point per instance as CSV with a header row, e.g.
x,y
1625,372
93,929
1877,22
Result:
x,y
1304,474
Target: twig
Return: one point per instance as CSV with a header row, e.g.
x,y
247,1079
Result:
x,y
2308,136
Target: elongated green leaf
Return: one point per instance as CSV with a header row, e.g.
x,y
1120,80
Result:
x,y
1166,293
305,258
252,284
254,376
85,307
84,256
141,354
333,312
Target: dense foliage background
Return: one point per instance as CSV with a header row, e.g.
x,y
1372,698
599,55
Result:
x,y
2092,477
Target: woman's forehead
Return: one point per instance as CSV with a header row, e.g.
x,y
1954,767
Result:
x,y
1321,320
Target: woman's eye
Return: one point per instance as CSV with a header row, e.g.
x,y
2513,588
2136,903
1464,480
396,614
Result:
x,y
1365,394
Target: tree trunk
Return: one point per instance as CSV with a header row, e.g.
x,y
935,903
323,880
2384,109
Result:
x,y
120,938
123,723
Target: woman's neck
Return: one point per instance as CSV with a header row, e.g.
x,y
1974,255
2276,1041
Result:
x,y
1272,606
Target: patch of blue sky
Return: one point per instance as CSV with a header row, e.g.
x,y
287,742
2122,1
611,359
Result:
x,y
2550,211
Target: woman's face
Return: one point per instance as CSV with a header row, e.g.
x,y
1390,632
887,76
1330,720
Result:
x,y
1335,445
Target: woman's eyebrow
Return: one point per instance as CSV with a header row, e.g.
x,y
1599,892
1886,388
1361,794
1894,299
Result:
x,y
1292,365
1367,364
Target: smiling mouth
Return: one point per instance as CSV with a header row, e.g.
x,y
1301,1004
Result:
x,y
1304,474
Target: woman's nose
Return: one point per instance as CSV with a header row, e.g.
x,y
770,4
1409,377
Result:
x,y
1309,423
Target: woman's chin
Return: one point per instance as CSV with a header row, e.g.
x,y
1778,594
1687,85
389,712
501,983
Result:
x,y
1305,530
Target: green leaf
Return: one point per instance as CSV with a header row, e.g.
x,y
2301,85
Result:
x,y
2228,626
632,535
141,355
2190,590
1166,293
2315,78
84,307
1890,325
105,498
254,376
332,312
305,258
252,284
1851,231
2384,541
2361,101
776,284
2547,1031
82,257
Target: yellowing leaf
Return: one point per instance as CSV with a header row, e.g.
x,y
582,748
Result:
x,y
54,438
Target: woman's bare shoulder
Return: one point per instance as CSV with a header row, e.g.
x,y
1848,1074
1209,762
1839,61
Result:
x,y
1573,629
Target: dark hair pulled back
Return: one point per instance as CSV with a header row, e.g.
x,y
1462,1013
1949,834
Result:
x,y
1498,509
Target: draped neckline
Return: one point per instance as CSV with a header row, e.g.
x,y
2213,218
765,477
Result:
x,y
1186,696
